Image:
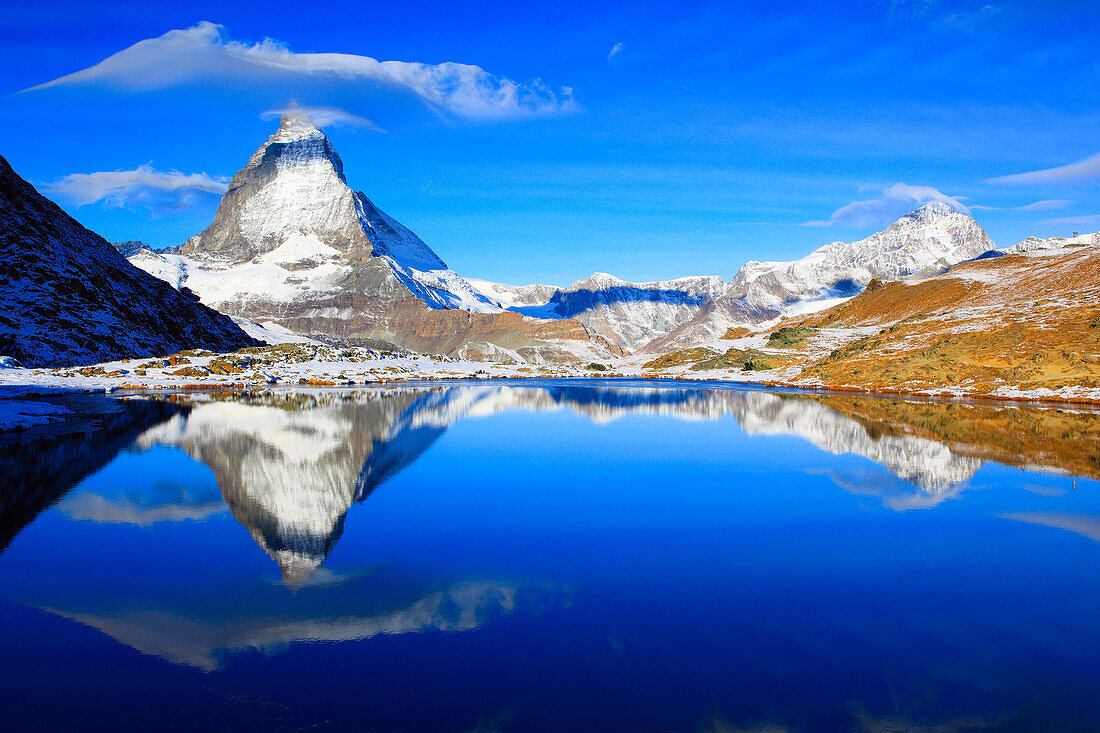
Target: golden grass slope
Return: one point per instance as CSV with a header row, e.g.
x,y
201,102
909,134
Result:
x,y
1027,322
1022,325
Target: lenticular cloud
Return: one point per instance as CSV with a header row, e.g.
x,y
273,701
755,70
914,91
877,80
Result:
x,y
203,52
896,201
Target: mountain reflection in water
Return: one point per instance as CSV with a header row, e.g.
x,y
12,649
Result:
x,y
552,556
289,465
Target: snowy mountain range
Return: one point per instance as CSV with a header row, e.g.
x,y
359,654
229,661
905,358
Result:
x,y
656,316
923,243
625,313
292,244
68,297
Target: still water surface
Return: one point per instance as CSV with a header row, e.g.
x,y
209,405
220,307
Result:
x,y
550,558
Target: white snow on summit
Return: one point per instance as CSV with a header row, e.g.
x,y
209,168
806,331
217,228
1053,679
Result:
x,y
921,244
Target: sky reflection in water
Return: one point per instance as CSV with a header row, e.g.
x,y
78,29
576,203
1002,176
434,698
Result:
x,y
552,558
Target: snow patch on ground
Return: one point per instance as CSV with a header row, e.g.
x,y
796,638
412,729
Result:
x,y
272,332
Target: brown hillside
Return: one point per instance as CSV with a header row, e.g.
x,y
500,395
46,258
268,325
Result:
x,y
1024,321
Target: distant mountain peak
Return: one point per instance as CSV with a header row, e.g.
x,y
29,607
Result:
x,y
131,247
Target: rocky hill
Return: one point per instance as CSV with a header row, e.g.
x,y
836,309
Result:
x,y
1022,323
68,297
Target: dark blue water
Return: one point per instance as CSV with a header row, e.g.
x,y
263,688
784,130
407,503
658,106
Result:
x,y
544,558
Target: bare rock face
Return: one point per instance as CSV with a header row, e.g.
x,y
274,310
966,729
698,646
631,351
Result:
x,y
293,243
68,297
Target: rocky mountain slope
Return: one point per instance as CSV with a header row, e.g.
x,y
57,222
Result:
x,y
68,297
920,244
660,316
625,313
1018,323
1023,322
294,244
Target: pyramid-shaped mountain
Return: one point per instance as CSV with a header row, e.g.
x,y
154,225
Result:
x,y
68,297
292,243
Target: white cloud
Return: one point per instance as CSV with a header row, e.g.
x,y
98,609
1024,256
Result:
x,y
1082,524
1044,205
323,116
615,51
1082,170
1088,220
896,201
204,52
142,186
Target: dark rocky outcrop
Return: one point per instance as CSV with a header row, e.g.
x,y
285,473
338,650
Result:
x,y
68,297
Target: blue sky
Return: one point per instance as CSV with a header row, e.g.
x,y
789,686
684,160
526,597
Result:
x,y
649,140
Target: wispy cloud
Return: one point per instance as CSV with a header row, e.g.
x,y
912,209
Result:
x,y
204,52
1082,524
323,116
1044,205
143,186
616,50
896,201
1088,220
1082,170
96,508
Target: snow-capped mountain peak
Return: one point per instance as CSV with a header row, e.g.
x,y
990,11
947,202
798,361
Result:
x,y
295,126
933,209
291,229
923,243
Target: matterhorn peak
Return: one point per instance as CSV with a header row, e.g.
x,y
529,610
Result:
x,y
293,231
293,119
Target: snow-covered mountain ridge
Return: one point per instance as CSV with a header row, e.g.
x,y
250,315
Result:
x,y
923,243
666,314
